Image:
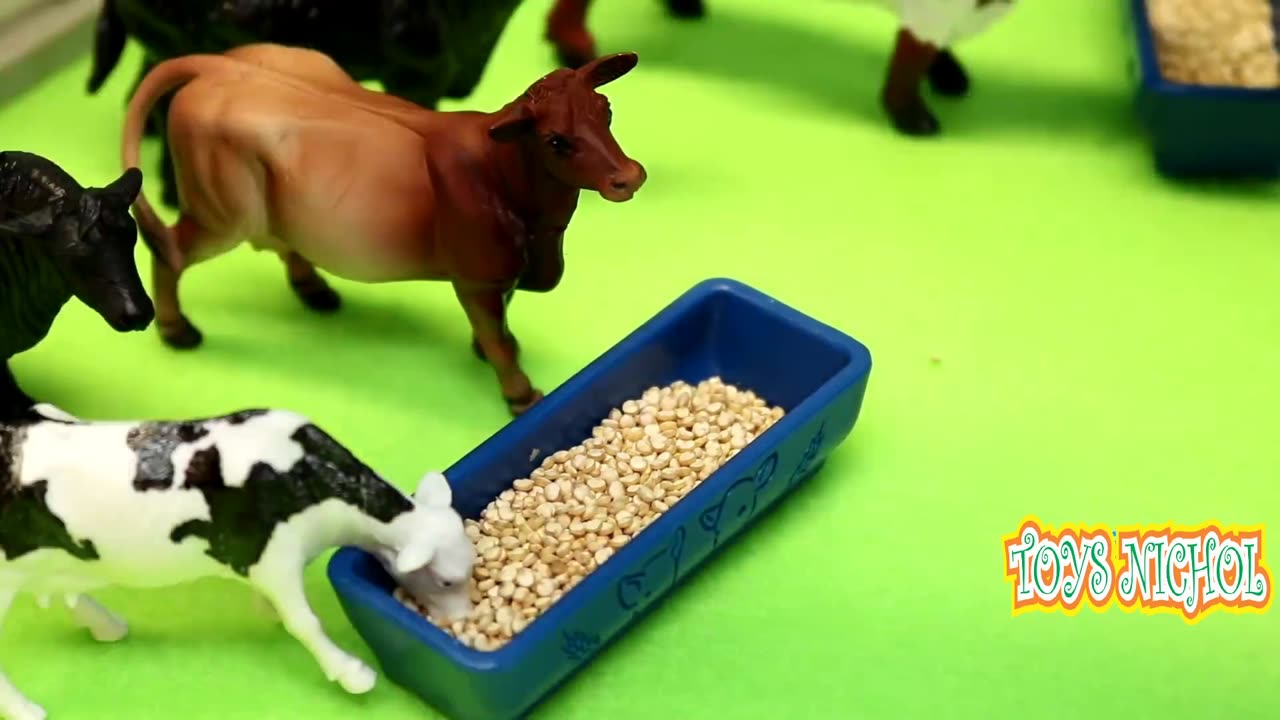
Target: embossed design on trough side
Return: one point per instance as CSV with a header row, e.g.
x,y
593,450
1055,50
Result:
x,y
578,645
739,502
810,454
659,572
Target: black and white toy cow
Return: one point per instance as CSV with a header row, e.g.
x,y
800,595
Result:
x,y
254,496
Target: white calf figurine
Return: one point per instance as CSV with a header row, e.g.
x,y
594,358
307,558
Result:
x,y
255,496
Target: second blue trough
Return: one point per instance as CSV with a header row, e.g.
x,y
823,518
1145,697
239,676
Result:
x,y
720,327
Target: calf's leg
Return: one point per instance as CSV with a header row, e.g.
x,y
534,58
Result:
x,y
901,97
104,625
486,308
279,578
13,704
567,31
311,289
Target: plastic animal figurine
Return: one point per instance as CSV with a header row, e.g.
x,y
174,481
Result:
x,y
58,240
253,496
928,29
424,50
285,150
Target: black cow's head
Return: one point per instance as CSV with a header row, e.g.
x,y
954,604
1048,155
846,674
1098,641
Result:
x,y
93,245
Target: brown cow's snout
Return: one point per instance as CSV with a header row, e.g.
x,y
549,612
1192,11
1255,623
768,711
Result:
x,y
624,183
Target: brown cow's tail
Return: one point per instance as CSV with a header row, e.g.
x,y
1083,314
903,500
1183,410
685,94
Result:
x,y
163,79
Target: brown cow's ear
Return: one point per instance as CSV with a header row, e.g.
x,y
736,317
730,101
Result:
x,y
512,122
605,70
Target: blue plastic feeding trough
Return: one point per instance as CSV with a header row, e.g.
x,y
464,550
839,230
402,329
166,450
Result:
x,y
720,327
1200,131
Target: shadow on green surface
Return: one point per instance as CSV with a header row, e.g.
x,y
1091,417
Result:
x,y
844,76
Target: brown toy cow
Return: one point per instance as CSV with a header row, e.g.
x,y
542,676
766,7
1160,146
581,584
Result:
x,y
279,146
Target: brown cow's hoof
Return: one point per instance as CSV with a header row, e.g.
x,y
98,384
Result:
x,y
947,75
181,337
519,406
320,298
688,9
913,119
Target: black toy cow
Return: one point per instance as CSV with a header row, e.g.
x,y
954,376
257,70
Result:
x,y
423,51
58,240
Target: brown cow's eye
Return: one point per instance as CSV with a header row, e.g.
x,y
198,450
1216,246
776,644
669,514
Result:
x,y
559,144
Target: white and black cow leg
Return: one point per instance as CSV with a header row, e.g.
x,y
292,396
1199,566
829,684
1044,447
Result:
x,y
286,593
103,625
13,704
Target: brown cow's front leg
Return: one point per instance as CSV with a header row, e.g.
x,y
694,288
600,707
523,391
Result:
x,y
901,97
486,308
567,30
307,284
175,329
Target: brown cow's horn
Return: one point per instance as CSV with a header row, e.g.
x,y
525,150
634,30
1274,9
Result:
x,y
604,70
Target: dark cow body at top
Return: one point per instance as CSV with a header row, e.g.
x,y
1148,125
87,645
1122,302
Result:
x,y
423,51
59,240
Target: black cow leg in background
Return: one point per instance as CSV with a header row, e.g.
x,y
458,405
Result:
x,y
947,75
686,8
425,89
168,176
13,402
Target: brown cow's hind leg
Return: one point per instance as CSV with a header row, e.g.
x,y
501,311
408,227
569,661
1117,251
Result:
x,y
307,284
486,308
901,97
175,329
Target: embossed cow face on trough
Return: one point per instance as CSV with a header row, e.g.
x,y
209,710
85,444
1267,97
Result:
x,y
435,566
566,122
658,573
738,505
92,245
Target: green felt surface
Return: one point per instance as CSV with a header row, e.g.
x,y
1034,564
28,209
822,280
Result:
x,y
1109,345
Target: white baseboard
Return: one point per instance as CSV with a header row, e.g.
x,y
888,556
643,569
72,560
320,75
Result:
x,y
40,37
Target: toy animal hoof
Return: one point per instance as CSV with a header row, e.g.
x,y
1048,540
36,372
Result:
x,y
916,121
321,299
520,405
947,76
358,679
110,632
689,9
182,337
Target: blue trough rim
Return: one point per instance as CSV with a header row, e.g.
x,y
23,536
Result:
x,y
341,568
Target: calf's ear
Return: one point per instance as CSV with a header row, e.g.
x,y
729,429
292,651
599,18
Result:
x,y
127,186
604,70
512,121
433,491
414,557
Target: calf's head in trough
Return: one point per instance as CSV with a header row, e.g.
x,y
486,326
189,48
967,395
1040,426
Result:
x,y
93,246
566,124
436,558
